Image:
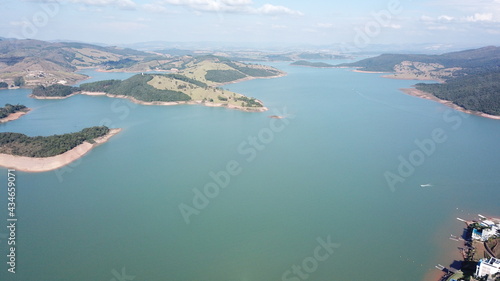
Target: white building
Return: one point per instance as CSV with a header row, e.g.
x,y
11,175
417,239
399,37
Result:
x,y
488,267
491,230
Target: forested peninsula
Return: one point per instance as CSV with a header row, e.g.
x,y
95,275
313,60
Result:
x,y
157,89
470,79
12,112
39,154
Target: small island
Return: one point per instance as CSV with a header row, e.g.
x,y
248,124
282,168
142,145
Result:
x,y
312,64
41,154
12,112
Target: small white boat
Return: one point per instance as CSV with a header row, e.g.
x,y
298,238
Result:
x,y
426,185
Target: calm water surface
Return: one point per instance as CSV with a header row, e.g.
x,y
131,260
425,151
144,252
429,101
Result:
x,y
321,177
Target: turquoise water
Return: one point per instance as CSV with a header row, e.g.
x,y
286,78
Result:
x,y
117,211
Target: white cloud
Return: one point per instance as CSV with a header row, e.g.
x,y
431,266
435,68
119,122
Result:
x,y
445,18
232,6
438,27
269,9
480,17
426,18
394,26
155,8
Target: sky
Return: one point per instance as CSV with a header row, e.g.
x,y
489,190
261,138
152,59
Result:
x,y
352,23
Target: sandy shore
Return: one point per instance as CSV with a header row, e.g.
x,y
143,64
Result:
x,y
402,77
364,71
14,116
32,164
52,98
282,74
421,94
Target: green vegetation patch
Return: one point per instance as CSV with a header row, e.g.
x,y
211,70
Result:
x,y
3,85
253,71
137,86
223,76
249,102
312,64
100,86
472,92
23,145
9,109
186,79
56,90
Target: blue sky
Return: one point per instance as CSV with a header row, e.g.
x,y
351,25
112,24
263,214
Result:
x,y
291,22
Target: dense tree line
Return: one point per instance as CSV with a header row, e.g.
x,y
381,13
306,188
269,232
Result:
x,y
311,64
249,102
123,63
479,92
23,145
254,72
136,86
186,79
19,81
223,76
9,109
56,90
3,85
100,86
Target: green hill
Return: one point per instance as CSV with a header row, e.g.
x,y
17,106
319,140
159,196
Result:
x,y
478,92
155,88
312,64
214,70
470,61
46,63
472,77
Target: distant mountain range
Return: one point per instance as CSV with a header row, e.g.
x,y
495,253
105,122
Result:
x,y
472,77
469,60
35,62
45,63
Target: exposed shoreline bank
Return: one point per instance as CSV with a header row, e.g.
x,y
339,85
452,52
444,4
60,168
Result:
x,y
166,103
15,116
424,95
36,165
282,74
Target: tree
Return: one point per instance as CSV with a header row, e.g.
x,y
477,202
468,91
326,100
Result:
x,y
3,85
19,81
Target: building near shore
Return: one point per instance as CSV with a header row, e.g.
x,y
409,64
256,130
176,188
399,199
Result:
x,y
490,229
488,267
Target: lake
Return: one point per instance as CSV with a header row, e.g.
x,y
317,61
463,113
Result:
x,y
190,192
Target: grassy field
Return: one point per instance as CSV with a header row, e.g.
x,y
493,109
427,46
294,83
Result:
x,y
197,93
198,71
